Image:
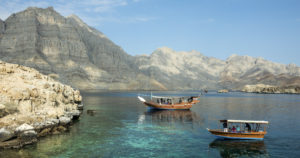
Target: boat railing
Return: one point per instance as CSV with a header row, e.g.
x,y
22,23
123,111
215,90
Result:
x,y
231,131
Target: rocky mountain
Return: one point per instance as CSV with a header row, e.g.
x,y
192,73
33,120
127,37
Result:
x,y
243,70
192,70
181,70
69,50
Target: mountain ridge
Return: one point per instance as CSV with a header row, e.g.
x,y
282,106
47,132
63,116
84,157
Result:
x,y
77,54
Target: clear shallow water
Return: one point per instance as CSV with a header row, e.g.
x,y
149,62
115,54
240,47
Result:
x,y
120,126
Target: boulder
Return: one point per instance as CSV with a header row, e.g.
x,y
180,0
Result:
x,y
28,134
75,114
80,106
58,130
24,127
28,137
5,134
2,111
64,120
77,97
44,132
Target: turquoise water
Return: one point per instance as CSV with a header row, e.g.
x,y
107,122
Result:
x,y
120,126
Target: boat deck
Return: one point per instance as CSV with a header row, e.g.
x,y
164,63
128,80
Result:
x,y
237,135
169,106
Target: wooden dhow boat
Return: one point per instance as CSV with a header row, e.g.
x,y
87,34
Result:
x,y
241,129
171,103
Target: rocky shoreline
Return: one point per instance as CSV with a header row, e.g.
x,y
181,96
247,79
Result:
x,y
33,105
269,89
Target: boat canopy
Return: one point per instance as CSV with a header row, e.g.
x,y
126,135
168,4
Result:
x,y
245,121
169,97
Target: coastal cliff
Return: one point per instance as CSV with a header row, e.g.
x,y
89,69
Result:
x,y
261,88
33,105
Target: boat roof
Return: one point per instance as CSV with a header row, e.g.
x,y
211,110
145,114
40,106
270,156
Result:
x,y
245,121
169,97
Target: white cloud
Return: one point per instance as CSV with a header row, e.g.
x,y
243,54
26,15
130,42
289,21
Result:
x,y
93,12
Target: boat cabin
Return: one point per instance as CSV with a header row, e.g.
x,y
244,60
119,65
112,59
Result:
x,y
173,100
244,125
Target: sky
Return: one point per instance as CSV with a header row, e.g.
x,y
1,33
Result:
x,y
217,28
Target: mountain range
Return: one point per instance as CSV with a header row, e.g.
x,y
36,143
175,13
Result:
x,y
69,50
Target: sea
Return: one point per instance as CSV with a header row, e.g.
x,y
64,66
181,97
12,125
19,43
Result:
x,y
117,124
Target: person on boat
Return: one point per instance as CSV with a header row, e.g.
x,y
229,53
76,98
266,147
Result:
x,y
225,127
238,128
233,129
180,101
248,127
190,99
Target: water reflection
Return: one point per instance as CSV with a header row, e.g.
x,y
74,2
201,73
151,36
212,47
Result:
x,y
240,148
173,115
182,118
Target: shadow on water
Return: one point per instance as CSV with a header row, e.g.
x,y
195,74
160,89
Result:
x,y
240,148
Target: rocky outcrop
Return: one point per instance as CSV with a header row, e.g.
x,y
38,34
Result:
x,y
223,91
261,88
31,104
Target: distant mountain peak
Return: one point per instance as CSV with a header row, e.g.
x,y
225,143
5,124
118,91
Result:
x,y
40,10
77,19
84,25
165,49
168,50
37,8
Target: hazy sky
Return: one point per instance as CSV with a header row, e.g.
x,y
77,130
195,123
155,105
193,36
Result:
x,y
217,28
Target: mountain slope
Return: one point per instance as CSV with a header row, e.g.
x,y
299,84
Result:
x,y
76,53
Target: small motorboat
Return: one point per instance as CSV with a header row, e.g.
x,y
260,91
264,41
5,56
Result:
x,y
241,129
174,103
